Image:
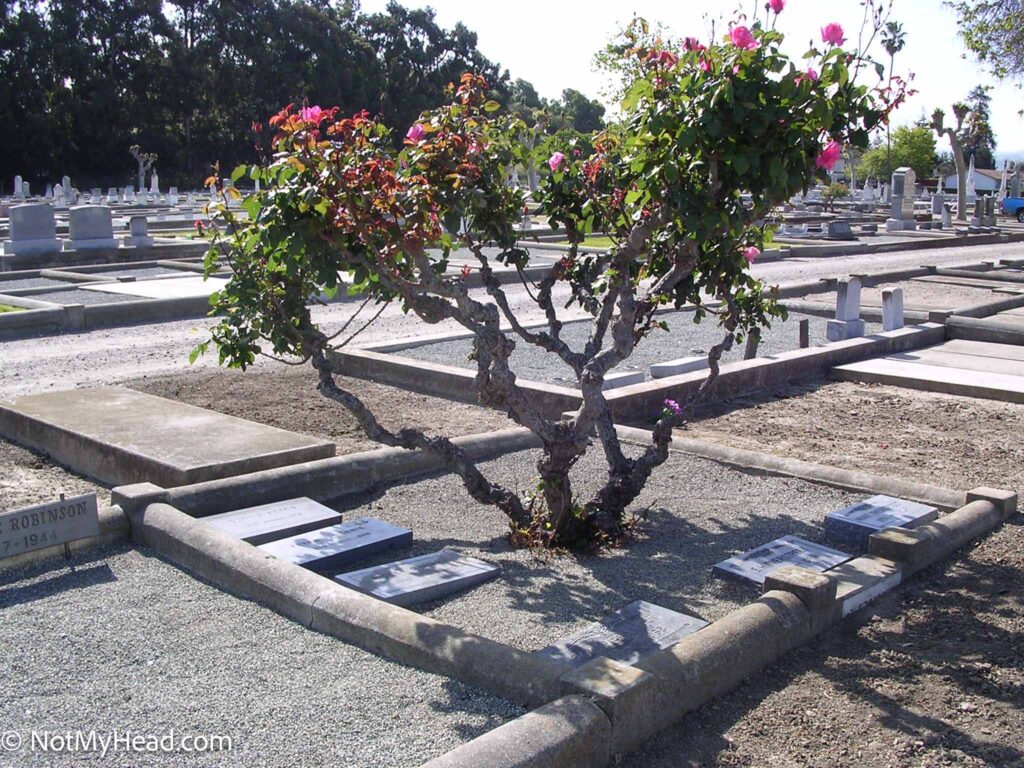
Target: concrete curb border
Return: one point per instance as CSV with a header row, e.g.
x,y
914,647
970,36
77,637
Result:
x,y
657,692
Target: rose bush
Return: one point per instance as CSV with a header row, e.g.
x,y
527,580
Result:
x,y
714,134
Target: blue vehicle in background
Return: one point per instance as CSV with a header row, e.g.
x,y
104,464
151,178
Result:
x,y
1014,206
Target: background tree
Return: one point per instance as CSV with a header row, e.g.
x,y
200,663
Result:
x,y
893,40
955,135
979,141
994,31
912,146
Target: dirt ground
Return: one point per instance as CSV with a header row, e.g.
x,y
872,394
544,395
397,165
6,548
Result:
x,y
28,478
921,295
946,440
287,399
930,675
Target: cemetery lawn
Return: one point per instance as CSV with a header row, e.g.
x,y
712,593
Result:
x,y
286,397
946,440
28,478
931,674
9,308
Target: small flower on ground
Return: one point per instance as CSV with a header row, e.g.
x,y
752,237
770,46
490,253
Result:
x,y
672,408
833,34
829,156
416,133
751,253
555,161
742,38
777,5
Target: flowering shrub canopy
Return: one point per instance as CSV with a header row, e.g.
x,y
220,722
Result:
x,y
714,134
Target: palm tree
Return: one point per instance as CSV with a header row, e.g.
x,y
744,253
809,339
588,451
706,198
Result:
x,y
893,40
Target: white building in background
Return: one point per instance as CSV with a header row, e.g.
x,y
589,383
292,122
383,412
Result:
x,y
984,181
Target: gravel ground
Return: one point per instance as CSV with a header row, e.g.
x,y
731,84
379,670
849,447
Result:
x,y
700,513
121,640
28,478
82,297
143,272
30,282
919,295
286,398
684,339
947,440
930,675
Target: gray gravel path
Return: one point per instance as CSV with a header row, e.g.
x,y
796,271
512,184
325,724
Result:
x,y
82,297
30,282
126,641
684,339
700,513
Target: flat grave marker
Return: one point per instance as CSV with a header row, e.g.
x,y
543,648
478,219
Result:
x,y
278,520
753,565
47,525
626,636
420,579
855,523
338,546
169,288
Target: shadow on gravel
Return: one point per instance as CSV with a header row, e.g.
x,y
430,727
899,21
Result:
x,y
52,577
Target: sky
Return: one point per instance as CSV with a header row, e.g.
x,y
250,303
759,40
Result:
x,y
551,43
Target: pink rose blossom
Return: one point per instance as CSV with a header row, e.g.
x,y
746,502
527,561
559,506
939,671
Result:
x,y
416,133
310,114
692,44
751,253
705,65
777,5
811,74
833,34
555,161
742,38
829,156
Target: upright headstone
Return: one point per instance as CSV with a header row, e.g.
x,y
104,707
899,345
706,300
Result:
x,y
979,212
112,196
901,207
91,226
138,233
58,196
48,192
947,215
66,183
892,309
172,197
154,183
847,323
32,230
626,636
19,190
26,190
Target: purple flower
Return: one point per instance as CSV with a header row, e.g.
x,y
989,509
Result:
x,y
416,133
555,161
673,408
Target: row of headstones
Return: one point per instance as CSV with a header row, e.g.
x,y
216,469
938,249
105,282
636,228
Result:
x,y
33,229
308,534
848,324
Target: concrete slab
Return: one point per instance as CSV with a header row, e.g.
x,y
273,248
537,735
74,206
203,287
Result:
x,y
934,378
120,436
166,288
420,579
977,364
861,580
983,349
